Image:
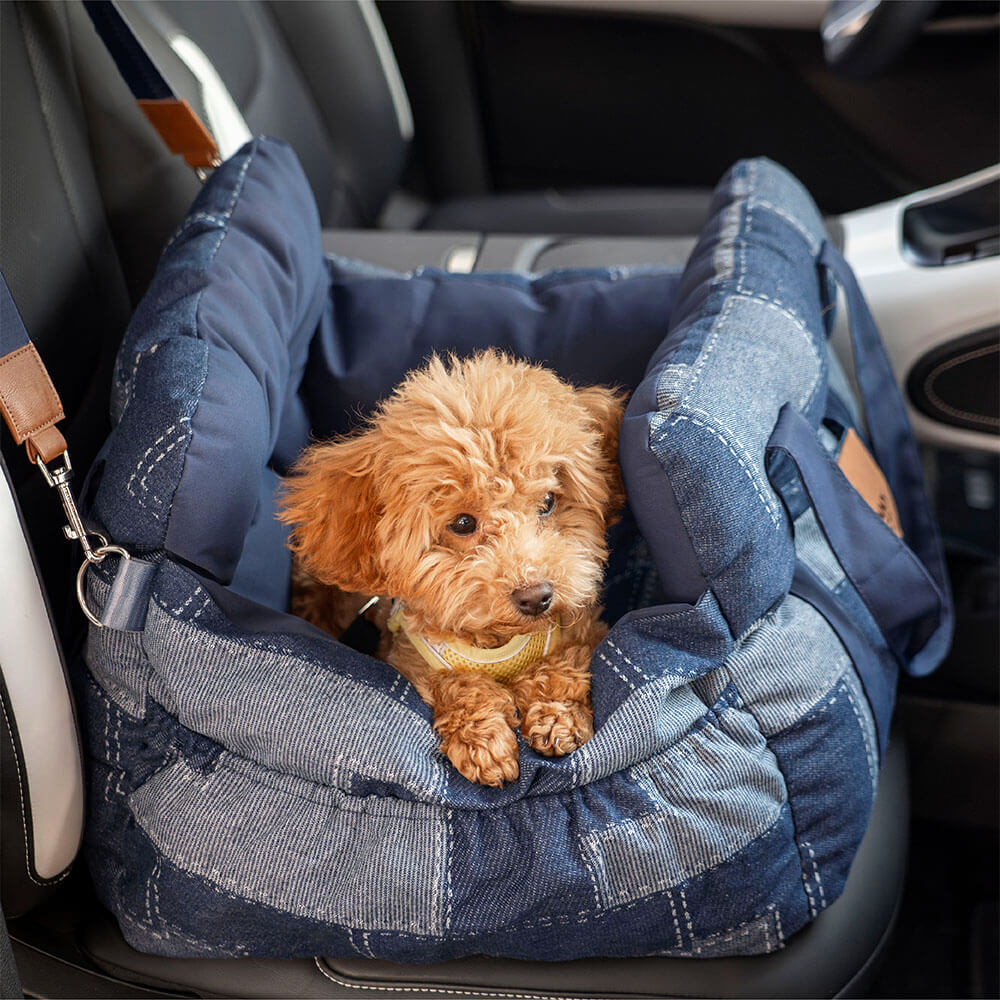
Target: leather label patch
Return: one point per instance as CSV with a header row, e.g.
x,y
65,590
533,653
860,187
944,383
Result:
x,y
866,477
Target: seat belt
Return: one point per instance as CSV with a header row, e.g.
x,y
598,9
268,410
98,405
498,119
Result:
x,y
29,402
31,408
174,119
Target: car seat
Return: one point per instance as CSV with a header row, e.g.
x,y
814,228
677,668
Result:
x,y
322,76
88,198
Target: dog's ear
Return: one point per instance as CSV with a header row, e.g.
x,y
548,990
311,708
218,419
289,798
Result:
x,y
605,408
330,501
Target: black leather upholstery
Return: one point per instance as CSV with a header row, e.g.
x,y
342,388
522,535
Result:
x,y
637,212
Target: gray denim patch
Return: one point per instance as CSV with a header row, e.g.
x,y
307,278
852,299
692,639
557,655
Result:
x,y
760,935
711,794
376,864
787,664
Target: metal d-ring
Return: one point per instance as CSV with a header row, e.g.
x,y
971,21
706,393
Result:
x,y
94,556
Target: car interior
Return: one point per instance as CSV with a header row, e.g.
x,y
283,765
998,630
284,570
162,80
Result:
x,y
525,135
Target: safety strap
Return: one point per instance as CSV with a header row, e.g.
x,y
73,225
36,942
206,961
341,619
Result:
x,y
31,408
28,399
176,121
894,448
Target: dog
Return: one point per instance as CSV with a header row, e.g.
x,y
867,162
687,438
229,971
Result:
x,y
475,504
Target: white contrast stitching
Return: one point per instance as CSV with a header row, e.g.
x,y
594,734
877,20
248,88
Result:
x,y
618,673
677,923
687,917
869,756
775,520
622,654
819,881
790,219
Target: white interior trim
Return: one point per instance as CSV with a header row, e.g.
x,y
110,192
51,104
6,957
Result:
x,y
36,685
390,68
225,121
919,308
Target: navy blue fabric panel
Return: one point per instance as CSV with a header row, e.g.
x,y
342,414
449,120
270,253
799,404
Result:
x,y
827,741
262,295
654,504
265,567
243,279
895,586
874,663
140,464
12,332
591,327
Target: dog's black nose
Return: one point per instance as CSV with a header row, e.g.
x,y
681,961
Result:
x,y
534,600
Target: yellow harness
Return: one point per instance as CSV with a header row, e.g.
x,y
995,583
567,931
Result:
x,y
502,664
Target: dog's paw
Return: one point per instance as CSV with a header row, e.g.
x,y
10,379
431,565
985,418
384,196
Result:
x,y
484,752
556,728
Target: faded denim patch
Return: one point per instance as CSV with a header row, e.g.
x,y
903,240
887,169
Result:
x,y
260,702
306,850
711,794
760,935
813,549
786,664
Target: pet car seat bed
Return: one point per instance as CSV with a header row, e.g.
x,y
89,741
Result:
x,y
257,788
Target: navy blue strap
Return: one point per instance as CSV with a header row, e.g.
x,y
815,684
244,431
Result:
x,y
894,449
179,126
126,604
13,335
139,71
893,583
878,681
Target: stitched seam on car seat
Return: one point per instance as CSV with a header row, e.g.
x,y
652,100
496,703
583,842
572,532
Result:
x,y
24,815
393,988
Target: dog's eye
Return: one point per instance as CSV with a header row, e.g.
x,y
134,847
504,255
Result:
x,y
464,524
548,505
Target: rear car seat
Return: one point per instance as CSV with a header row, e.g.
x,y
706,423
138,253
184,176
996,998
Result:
x,y
88,198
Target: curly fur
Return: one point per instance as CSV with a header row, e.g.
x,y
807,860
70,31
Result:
x,y
488,437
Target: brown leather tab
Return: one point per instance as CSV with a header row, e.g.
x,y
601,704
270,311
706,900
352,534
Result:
x,y
866,477
47,444
182,130
30,404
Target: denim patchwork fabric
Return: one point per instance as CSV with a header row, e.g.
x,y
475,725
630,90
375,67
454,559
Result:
x,y
259,789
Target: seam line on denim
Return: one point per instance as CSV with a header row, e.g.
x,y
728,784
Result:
x,y
795,223
816,874
746,470
677,923
630,684
130,383
869,757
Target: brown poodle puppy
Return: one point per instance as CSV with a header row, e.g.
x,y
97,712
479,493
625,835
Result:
x,y
475,503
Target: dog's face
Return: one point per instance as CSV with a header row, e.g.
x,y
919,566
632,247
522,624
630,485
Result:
x,y
479,495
